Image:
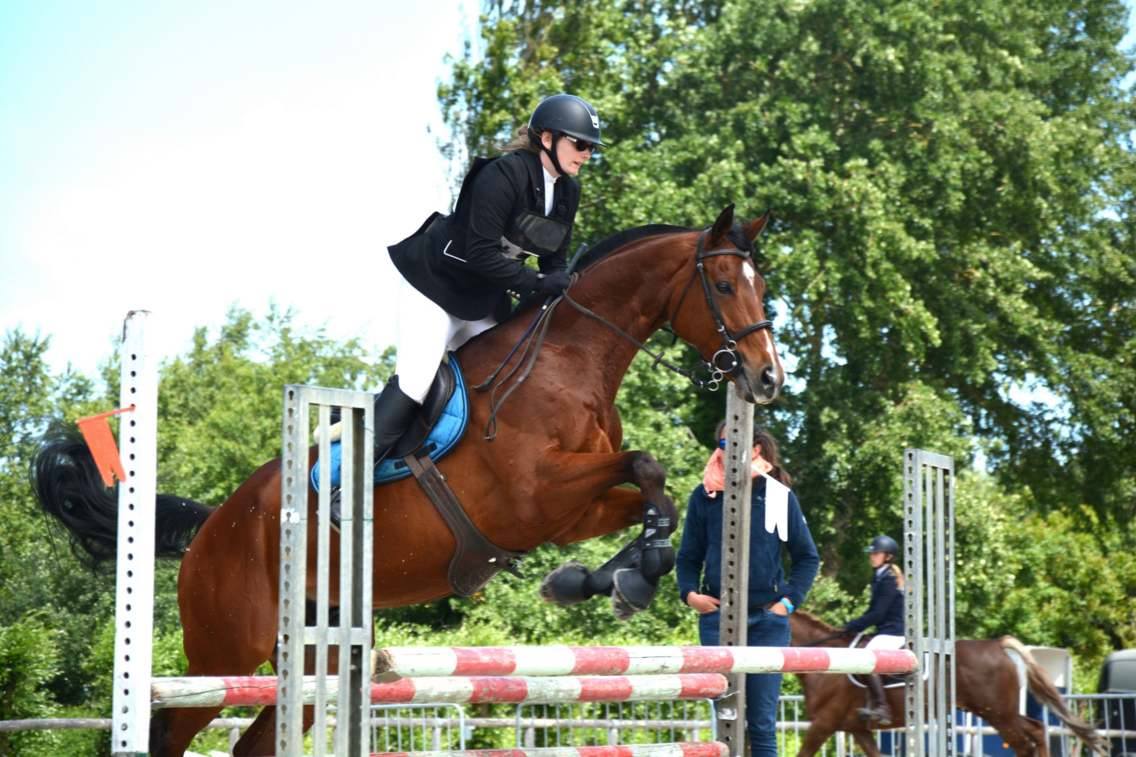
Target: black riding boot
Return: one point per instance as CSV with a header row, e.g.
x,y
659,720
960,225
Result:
x,y
877,708
394,412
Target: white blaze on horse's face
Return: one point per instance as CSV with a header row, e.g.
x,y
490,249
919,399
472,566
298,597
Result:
x,y
747,268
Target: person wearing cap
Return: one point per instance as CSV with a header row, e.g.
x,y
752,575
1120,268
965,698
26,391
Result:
x,y
457,271
773,595
885,612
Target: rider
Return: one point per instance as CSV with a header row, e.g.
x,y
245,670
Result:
x,y
457,270
885,613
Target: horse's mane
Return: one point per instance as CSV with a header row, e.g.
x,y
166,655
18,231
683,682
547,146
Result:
x,y
610,244
815,622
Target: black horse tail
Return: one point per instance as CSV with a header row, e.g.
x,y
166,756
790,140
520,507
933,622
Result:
x,y
69,488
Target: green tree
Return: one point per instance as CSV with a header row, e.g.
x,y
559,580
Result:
x,y
28,660
953,187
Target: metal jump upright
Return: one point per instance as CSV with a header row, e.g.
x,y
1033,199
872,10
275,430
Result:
x,y
929,563
298,631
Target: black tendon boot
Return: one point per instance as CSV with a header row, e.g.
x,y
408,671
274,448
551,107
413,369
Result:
x,y
877,708
634,588
394,412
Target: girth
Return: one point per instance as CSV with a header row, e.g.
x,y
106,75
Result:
x,y
476,559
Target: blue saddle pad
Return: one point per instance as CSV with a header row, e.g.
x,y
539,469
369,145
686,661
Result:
x,y
444,436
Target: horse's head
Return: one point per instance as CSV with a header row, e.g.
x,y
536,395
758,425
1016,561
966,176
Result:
x,y
728,324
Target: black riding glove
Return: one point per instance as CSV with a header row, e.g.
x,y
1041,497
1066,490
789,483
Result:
x,y
553,283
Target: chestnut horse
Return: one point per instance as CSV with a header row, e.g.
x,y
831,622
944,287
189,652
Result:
x,y
986,684
554,473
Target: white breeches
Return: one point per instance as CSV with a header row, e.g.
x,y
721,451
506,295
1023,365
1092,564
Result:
x,y
886,641
425,333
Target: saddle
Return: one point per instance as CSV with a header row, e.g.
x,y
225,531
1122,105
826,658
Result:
x,y
434,432
890,681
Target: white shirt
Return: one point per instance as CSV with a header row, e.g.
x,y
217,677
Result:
x,y
549,189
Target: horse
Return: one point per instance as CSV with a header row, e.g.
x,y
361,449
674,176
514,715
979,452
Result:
x,y
553,474
986,684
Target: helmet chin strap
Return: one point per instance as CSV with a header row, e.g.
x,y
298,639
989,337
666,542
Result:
x,y
552,153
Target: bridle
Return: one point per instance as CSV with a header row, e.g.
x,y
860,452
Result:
x,y
726,359
724,362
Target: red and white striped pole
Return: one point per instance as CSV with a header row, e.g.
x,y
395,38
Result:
x,y
706,749
261,690
568,660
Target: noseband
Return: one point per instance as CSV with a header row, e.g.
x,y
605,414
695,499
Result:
x,y
726,359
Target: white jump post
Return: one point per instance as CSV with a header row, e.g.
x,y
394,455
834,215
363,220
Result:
x,y
352,634
734,600
134,583
929,562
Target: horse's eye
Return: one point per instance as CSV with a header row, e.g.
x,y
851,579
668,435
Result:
x,y
724,287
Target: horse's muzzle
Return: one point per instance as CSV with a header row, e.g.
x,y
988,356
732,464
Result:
x,y
760,386
771,380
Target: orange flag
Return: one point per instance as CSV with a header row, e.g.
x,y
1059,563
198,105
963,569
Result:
x,y
100,441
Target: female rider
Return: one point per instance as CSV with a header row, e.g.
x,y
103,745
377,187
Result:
x,y
885,612
457,271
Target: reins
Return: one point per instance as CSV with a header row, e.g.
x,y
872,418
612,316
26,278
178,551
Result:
x,y
721,364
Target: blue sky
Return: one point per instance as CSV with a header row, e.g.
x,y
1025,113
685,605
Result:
x,y
188,157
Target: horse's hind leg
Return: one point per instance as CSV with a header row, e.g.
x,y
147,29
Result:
x,y
260,737
813,740
172,731
1025,736
867,742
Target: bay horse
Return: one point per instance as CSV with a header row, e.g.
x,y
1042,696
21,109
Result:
x,y
554,472
986,684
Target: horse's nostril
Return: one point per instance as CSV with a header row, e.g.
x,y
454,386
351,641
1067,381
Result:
x,y
769,381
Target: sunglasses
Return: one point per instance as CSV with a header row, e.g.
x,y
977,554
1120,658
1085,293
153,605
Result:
x,y
582,145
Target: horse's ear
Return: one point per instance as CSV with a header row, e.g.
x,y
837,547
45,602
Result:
x,y
754,228
723,225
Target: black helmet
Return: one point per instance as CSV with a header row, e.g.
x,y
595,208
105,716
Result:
x,y
567,114
884,544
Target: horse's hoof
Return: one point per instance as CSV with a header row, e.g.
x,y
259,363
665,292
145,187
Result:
x,y
631,593
565,585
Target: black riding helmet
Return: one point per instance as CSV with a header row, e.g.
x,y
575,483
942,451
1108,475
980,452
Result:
x,y
564,114
885,544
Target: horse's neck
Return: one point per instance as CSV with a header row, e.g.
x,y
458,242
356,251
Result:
x,y
807,630
632,289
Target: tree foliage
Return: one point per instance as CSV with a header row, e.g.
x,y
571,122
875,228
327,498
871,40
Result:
x,y
953,188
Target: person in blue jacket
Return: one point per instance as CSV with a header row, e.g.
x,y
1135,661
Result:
x,y
886,613
772,594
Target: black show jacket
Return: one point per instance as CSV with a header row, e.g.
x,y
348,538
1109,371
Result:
x,y
457,260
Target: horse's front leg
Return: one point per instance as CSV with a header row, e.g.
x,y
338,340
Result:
x,y
631,576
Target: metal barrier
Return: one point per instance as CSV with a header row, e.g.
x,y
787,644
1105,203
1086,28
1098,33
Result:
x,y
596,723
421,728
447,727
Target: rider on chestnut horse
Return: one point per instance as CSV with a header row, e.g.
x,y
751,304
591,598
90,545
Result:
x,y
885,613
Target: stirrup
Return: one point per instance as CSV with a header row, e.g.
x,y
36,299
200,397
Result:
x,y
879,714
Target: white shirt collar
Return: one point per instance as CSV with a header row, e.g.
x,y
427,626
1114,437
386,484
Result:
x,y
549,189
